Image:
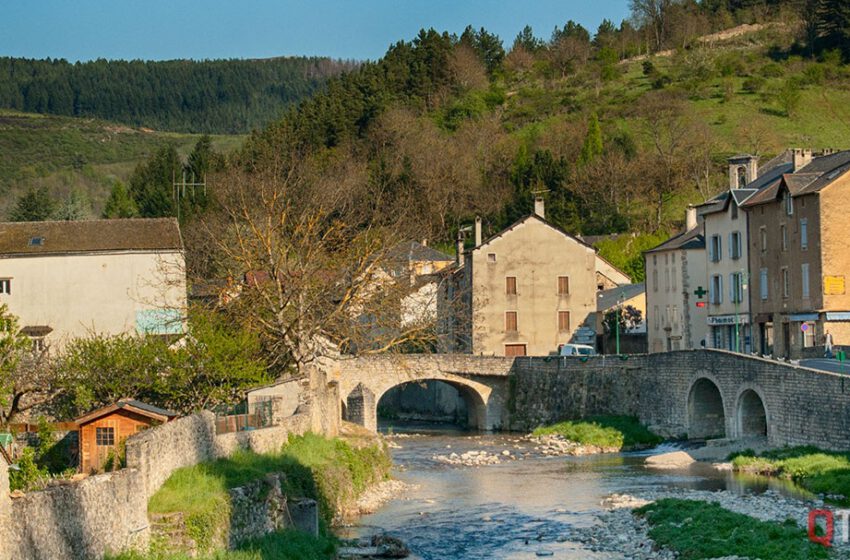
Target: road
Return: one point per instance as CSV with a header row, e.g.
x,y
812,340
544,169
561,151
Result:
x,y
827,365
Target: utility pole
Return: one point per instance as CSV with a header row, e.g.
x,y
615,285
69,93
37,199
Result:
x,y
179,189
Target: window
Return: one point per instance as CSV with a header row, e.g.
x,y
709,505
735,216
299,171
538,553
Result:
x,y
657,318
104,436
715,248
734,208
742,177
510,285
655,280
783,234
563,285
736,287
804,234
491,257
563,321
515,350
763,283
666,279
786,283
36,241
673,285
38,345
6,286
716,289
763,236
805,279
675,317
789,204
735,248
510,321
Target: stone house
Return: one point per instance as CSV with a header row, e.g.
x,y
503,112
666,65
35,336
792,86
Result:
x,y
71,279
524,291
799,256
675,287
727,251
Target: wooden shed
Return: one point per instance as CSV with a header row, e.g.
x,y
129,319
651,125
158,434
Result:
x,y
102,431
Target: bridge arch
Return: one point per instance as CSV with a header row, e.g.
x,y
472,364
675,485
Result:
x,y
751,419
705,408
475,401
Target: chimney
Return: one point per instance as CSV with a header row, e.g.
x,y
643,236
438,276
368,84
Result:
x,y
742,170
690,218
801,158
539,207
459,248
477,231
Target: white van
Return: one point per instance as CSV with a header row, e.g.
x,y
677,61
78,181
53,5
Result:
x,y
576,350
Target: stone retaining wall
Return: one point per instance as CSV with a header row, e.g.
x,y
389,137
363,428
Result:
x,y
108,512
802,406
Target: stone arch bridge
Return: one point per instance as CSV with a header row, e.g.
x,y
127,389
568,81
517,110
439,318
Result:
x,y
699,394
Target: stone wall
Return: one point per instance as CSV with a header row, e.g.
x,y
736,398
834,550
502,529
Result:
x,y
802,406
108,512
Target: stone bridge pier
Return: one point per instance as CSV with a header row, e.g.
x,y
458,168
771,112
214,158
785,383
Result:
x,y
481,381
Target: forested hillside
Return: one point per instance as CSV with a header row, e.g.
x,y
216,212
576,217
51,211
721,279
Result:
x,y
213,96
620,128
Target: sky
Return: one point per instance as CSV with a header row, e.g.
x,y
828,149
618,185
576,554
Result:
x,y
206,29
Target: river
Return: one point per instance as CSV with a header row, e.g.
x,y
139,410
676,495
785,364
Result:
x,y
519,509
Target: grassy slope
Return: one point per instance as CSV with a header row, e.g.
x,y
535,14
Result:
x,y
699,530
821,472
65,153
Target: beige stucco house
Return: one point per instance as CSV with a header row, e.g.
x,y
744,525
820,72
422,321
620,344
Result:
x,y
524,291
71,279
727,251
676,317
799,256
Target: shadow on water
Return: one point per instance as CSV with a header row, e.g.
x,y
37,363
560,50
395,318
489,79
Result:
x,y
525,505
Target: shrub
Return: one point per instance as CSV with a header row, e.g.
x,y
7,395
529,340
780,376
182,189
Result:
x,y
772,70
602,431
753,84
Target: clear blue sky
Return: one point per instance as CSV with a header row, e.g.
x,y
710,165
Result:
x,y
359,29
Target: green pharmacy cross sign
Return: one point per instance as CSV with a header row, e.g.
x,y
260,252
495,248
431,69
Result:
x,y
700,292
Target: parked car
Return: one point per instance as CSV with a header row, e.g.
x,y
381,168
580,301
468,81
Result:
x,y
576,350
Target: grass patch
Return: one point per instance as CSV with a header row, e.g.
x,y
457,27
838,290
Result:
x,y
331,471
602,431
287,545
821,472
696,530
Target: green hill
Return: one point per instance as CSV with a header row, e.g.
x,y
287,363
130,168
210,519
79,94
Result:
x,y
69,154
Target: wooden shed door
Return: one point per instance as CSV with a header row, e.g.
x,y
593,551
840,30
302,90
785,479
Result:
x,y
105,434
515,350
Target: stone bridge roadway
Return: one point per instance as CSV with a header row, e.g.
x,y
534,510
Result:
x,y
697,393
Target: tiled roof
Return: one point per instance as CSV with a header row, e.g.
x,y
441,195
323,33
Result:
x,y
822,171
606,299
692,239
413,251
34,238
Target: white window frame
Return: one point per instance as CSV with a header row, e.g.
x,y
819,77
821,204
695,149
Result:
x,y
804,234
789,204
783,235
6,286
763,238
785,275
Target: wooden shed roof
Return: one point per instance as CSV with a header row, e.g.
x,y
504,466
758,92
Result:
x,y
130,405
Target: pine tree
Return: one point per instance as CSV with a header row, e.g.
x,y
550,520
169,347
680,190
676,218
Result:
x,y
120,204
592,147
35,205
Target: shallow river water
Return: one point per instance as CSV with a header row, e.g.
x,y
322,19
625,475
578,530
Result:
x,y
518,508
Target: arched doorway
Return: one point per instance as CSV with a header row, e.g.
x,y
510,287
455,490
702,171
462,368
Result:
x,y
433,400
752,416
706,417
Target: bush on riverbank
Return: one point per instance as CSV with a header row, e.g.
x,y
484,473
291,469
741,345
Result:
x,y
331,471
821,472
286,545
602,431
696,530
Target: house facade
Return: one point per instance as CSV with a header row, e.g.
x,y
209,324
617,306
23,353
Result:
x,y
676,314
524,291
725,226
799,256
65,280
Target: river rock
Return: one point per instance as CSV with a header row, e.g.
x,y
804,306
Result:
x,y
673,460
